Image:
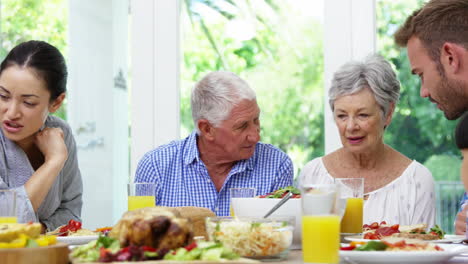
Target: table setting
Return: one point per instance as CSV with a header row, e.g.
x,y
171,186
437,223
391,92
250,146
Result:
x,y
316,224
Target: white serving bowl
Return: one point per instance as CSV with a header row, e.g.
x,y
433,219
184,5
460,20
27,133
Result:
x,y
258,207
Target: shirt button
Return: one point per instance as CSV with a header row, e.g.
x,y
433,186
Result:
x,y
208,181
216,209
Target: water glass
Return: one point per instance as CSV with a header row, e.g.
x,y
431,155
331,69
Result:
x,y
8,206
320,223
352,191
141,195
239,193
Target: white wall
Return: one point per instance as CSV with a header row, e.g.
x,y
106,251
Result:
x,y
350,34
97,108
155,107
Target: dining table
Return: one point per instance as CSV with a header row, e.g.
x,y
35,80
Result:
x,y
295,257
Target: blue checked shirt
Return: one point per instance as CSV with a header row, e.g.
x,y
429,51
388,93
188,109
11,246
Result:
x,y
183,179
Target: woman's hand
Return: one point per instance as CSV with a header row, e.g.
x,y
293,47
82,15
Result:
x,y
50,142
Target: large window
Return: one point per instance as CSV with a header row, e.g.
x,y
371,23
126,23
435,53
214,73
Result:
x,y
419,130
277,47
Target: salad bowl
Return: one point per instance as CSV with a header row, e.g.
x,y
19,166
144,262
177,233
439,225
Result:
x,y
257,238
258,206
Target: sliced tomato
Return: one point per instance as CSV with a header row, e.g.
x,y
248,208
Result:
x,y
102,252
374,225
191,246
348,248
148,249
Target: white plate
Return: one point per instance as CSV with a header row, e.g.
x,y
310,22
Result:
x,y
446,239
76,240
364,257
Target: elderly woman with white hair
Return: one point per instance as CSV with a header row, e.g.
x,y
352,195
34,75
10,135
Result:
x,y
224,152
397,190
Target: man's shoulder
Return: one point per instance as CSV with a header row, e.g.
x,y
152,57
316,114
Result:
x,y
268,150
169,151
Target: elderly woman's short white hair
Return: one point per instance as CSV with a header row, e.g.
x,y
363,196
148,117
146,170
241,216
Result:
x,y
375,73
214,96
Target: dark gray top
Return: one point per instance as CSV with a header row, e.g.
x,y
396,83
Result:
x,y
64,200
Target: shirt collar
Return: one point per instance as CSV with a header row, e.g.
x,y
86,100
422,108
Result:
x,y
193,154
192,149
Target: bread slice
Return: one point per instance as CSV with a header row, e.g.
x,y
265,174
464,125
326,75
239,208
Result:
x,y
417,228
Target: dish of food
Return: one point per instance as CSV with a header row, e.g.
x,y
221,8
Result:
x,y
256,238
72,228
108,249
13,235
380,257
280,193
258,207
446,239
76,240
377,231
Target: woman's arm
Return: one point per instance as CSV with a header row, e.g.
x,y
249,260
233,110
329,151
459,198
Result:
x,y
71,188
50,142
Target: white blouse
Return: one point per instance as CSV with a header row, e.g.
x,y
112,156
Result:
x,y
407,200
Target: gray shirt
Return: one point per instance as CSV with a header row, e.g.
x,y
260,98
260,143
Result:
x,y
64,199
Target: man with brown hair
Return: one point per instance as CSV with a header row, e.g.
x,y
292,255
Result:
x,y
436,37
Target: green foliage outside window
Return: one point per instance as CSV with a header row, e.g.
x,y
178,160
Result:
x,y
420,130
23,20
282,62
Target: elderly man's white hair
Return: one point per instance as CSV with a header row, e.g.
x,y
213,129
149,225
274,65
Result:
x,y
214,96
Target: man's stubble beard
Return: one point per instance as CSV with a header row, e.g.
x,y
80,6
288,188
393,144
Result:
x,y
454,100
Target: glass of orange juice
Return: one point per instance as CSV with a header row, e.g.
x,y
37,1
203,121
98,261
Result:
x,y
8,206
239,193
352,191
140,195
320,223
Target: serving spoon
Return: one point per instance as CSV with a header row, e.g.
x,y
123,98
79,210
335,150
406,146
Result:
x,y
279,204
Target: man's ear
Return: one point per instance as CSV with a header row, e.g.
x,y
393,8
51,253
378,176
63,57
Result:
x,y
451,57
55,105
206,129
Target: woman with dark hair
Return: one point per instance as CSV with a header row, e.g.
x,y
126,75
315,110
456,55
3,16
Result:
x,y
37,151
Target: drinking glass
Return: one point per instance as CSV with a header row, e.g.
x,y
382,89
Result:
x,y
8,206
141,195
320,223
352,191
239,193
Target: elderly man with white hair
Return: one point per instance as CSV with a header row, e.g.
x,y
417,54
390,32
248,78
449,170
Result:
x,y
224,152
